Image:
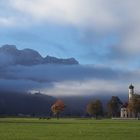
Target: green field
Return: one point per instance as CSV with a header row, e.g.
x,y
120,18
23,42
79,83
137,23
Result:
x,y
68,129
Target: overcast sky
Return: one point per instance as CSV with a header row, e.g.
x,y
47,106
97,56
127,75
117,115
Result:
x,y
101,33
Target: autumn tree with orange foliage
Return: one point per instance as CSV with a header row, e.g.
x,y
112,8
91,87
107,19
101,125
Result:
x,y
57,108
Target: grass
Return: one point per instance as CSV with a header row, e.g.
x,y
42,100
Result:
x,y
68,129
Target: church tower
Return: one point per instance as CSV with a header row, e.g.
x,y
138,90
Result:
x,y
131,91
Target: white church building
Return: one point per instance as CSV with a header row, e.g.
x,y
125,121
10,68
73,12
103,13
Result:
x,y
125,112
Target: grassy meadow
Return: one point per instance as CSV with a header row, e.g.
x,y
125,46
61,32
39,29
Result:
x,y
68,129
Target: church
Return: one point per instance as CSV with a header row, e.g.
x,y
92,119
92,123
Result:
x,y
125,112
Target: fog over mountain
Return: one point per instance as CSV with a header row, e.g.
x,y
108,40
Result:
x,y
26,71
23,73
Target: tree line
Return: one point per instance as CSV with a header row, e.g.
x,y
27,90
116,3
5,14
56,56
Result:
x,y
14,104
96,109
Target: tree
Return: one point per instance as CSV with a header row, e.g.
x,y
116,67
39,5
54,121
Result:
x,y
95,108
114,106
58,107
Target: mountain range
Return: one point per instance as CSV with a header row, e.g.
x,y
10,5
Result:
x,y
27,57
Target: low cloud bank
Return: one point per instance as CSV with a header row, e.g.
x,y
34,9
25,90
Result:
x,y
66,80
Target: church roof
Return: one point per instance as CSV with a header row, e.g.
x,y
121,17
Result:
x,y
124,105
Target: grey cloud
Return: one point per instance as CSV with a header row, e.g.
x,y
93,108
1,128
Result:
x,y
49,76
21,85
58,73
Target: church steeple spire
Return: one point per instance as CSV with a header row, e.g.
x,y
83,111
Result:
x,y
131,92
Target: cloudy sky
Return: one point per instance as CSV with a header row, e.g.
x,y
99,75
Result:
x,y
103,35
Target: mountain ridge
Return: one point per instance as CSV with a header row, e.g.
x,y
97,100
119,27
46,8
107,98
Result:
x,y
32,57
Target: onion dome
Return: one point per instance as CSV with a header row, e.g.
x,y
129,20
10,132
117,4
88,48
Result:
x,y
131,87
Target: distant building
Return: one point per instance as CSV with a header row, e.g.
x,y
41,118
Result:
x,y
125,112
